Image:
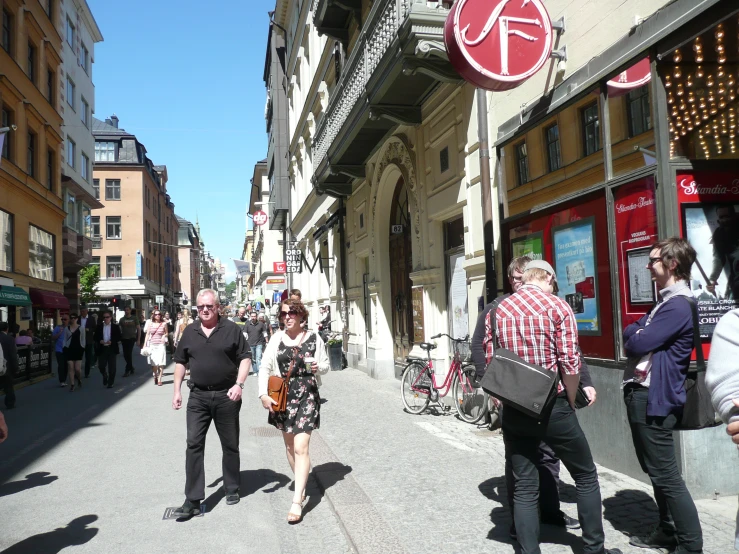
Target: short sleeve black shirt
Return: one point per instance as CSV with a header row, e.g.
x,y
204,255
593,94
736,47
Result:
x,y
255,333
214,361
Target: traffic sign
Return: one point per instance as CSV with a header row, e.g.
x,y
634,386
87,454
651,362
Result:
x,y
160,299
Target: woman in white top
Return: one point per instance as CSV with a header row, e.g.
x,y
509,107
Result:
x,y
156,340
297,355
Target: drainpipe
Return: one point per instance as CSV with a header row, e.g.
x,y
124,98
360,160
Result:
x,y
342,269
487,201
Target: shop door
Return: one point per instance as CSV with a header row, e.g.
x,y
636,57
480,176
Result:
x,y
401,263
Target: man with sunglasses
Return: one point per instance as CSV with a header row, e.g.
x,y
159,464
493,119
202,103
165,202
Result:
x,y
219,359
107,339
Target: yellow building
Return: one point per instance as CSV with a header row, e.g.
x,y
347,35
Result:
x,y
31,211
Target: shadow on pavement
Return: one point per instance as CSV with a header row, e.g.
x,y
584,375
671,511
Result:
x,y
631,512
75,533
322,478
495,490
38,479
46,414
252,480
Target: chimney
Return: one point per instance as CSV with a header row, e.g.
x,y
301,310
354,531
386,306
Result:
x,y
108,121
114,120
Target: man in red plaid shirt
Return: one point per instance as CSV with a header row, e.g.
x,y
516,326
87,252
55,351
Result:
x,y
541,328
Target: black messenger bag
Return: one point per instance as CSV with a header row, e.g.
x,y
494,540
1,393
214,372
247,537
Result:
x,y
525,387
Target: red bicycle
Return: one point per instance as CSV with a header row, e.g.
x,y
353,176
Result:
x,y
418,385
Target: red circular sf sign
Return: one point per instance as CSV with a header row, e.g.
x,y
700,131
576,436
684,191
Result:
x,y
259,217
497,45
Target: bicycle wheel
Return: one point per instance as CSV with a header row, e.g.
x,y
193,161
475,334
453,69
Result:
x,y
413,383
471,401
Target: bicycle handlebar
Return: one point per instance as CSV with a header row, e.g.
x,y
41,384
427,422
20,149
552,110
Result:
x,y
465,339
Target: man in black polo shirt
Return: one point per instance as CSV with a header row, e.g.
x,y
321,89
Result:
x,y
220,360
256,336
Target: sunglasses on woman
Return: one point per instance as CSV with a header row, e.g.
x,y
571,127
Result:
x,y
291,313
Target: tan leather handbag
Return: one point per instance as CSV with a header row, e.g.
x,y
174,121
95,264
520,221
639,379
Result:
x,y
277,386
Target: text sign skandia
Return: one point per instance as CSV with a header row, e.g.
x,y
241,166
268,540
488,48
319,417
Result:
x,y
500,44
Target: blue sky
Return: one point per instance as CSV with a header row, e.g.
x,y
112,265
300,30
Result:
x,y
186,78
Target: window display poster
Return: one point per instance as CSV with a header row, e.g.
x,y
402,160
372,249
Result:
x,y
575,265
713,230
531,246
635,215
458,296
417,300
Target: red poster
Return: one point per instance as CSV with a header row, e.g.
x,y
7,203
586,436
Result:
x,y
279,267
636,230
586,287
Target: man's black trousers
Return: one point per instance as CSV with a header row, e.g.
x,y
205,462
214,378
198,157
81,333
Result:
x,y
106,363
202,408
655,450
8,388
89,356
128,353
548,466
562,432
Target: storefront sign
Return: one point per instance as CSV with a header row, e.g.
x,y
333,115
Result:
x,y
498,45
531,246
276,281
574,262
709,203
417,300
279,267
636,230
139,263
293,258
259,217
634,77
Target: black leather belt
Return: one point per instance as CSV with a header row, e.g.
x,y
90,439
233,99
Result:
x,y
212,388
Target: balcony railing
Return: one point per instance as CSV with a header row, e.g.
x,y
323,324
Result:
x,y
382,27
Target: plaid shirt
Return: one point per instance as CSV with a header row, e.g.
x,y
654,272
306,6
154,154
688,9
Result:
x,y
538,327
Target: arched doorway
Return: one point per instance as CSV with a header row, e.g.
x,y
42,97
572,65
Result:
x,y
401,264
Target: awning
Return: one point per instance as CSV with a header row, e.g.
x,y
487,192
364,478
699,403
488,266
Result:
x,y
49,299
14,296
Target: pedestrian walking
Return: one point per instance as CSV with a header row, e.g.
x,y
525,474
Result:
x,y
546,461
256,337
74,350
262,318
156,338
219,359
143,322
107,339
297,356
57,336
540,328
183,320
10,355
658,347
129,336
88,324
170,331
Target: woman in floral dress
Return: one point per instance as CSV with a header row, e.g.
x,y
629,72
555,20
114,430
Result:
x,y
306,352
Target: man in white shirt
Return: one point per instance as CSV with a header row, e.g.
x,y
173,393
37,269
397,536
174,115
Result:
x,y
107,337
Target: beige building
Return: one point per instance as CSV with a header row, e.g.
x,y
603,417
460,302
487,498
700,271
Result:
x,y
31,207
135,236
189,254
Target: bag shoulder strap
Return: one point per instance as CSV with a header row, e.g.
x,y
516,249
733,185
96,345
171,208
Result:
x,y
700,360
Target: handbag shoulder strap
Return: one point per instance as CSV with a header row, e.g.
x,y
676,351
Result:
x,y
700,360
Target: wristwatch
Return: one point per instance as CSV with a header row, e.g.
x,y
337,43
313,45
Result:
x,y
240,385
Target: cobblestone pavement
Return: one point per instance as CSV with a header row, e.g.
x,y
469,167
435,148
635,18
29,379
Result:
x,y
432,483
93,472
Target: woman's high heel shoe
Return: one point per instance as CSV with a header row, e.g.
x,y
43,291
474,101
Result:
x,y
292,517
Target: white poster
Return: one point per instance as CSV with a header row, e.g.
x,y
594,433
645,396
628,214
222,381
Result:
x,y
458,297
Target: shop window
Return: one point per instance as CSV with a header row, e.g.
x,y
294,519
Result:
x,y
573,237
522,164
6,241
554,151
41,254
112,189
113,227
114,267
640,117
590,129
444,159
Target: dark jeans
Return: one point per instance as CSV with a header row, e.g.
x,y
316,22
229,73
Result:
x,y
90,357
61,366
562,432
7,383
655,449
547,464
128,353
106,363
202,408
